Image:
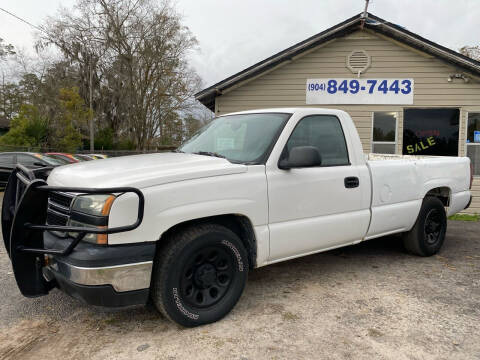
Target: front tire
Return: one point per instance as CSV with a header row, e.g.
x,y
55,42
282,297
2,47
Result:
x,y
428,234
199,275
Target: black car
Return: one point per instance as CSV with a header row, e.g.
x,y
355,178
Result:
x,y
9,160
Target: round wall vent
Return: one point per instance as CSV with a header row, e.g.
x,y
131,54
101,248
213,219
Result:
x,y
358,61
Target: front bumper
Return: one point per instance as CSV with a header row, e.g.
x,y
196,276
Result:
x,y
100,295
101,275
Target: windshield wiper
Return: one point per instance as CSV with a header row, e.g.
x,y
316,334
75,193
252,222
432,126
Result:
x,y
209,153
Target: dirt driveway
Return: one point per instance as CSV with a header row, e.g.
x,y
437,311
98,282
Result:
x,y
370,301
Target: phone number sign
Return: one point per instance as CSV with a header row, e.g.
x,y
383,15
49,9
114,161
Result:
x,y
360,91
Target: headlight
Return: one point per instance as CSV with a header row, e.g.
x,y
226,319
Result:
x,y
98,205
89,237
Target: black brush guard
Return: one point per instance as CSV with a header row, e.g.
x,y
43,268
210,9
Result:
x,y
24,213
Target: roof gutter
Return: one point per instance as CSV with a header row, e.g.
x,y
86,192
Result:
x,y
423,44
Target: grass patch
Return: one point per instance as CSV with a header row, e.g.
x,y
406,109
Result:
x,y
465,217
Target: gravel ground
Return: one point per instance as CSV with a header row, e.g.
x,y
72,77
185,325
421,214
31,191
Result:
x,y
361,302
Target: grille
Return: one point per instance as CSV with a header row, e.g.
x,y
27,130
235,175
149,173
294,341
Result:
x,y
58,211
60,199
54,218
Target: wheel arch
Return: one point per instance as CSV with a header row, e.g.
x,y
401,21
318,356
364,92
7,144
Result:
x,y
238,223
443,193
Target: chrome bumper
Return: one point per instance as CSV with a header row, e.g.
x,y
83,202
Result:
x,y
127,277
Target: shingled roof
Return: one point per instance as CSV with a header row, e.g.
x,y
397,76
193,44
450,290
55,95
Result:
x,y
372,22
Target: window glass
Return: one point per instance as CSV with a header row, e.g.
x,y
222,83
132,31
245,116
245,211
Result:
x,y
6,158
473,141
473,131
384,126
244,138
326,134
431,132
50,160
26,159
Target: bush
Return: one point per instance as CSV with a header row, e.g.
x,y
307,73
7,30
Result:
x,y
27,129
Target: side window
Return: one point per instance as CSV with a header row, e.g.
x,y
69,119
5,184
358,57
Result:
x,y
26,159
326,134
6,159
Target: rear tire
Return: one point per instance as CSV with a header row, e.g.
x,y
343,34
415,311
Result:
x,y
428,234
199,275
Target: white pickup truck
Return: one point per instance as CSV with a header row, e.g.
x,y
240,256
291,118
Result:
x,y
250,189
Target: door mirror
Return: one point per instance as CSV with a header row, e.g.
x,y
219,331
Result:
x,y
37,163
301,156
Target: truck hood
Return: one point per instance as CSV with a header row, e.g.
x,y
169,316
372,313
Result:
x,y
142,170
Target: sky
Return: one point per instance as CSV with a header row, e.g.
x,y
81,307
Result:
x,y
233,35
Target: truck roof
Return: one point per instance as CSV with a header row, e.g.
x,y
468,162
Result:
x,y
291,110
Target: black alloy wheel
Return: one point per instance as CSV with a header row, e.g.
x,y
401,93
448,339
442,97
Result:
x,y
433,226
207,276
199,274
428,234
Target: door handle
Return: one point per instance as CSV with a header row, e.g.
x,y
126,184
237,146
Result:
x,y
351,182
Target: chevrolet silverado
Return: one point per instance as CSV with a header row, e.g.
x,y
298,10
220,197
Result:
x,y
183,229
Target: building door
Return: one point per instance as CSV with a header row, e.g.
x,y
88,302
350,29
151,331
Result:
x,y
430,132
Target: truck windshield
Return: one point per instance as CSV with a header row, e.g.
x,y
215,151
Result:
x,y
245,138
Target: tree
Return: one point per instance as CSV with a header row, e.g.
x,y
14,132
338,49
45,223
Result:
x,y
29,129
72,117
59,127
6,49
8,94
135,51
471,51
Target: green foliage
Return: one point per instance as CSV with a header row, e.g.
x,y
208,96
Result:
x,y
57,126
72,116
465,217
124,144
29,128
104,139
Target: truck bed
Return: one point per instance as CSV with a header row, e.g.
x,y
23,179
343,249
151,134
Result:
x,y
400,182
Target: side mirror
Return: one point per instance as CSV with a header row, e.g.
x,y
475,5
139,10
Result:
x,y
37,163
301,156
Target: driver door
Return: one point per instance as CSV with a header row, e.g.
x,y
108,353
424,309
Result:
x,y
316,208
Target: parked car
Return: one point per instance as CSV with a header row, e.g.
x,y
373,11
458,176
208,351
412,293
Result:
x,y
251,189
65,156
8,161
84,157
99,156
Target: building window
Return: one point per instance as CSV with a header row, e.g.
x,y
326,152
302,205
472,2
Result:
x,y
431,132
473,141
384,135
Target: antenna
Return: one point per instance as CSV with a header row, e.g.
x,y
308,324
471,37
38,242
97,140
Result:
x,y
364,14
